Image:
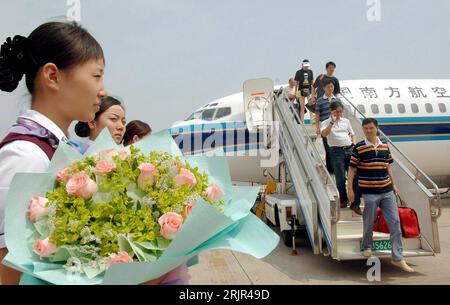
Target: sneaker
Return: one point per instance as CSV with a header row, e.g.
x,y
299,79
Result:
x,y
357,210
367,253
402,265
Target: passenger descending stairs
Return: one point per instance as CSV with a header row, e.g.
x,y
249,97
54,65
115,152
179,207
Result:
x,y
341,229
350,230
350,225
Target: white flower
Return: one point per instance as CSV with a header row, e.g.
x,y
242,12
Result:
x,y
147,201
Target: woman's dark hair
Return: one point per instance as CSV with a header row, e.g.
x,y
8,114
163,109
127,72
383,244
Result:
x,y
335,105
64,44
135,128
330,63
82,128
368,121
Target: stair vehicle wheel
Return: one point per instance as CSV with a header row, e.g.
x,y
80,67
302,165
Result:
x,y
286,235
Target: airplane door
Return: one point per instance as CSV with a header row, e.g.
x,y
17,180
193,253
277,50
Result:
x,y
258,103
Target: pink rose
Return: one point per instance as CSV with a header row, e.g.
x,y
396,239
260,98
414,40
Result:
x,y
123,155
81,185
188,208
213,192
63,175
44,248
121,257
109,152
170,224
147,176
37,208
185,177
104,167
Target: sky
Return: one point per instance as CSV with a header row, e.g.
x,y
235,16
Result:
x,y
164,59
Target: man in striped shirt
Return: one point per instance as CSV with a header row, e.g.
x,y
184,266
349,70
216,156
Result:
x,y
371,161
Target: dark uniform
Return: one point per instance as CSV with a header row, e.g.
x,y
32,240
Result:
x,y
305,79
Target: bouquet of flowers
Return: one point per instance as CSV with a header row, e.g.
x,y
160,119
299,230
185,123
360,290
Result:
x,y
119,215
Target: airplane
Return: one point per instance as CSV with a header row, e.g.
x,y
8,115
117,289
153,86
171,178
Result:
x,y
413,113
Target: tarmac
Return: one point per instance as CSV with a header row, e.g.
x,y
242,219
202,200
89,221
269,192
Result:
x,y
223,267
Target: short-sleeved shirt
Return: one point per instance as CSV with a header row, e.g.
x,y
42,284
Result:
x,y
341,132
323,107
372,163
320,81
23,156
288,91
304,78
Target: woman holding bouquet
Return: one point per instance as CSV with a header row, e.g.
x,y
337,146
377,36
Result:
x,y
63,67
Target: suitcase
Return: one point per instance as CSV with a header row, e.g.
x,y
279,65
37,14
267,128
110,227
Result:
x,y
409,222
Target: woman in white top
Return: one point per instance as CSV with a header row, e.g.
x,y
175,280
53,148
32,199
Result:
x,y
63,67
111,115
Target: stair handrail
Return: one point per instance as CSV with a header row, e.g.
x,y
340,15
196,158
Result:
x,y
436,199
328,179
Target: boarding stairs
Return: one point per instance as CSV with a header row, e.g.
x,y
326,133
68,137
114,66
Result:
x,y
333,230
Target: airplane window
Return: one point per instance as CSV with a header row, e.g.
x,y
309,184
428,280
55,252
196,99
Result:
x,y
388,108
214,104
361,108
195,115
208,114
442,108
414,108
401,108
223,112
429,107
375,108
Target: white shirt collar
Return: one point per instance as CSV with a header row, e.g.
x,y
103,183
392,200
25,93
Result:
x,y
327,98
374,145
44,122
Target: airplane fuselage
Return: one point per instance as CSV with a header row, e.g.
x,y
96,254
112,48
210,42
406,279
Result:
x,y
414,114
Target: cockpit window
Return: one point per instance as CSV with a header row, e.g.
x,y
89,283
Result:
x,y
208,114
195,115
223,112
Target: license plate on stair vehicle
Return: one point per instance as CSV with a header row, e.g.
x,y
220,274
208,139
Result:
x,y
381,245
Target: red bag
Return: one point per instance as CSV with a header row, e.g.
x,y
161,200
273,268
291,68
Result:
x,y
409,222
380,224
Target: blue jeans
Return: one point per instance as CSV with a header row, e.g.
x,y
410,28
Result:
x,y
388,205
340,160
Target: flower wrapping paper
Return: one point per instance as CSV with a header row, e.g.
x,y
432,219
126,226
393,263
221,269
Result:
x,y
236,228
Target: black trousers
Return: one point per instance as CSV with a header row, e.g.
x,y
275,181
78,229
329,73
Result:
x,y
327,155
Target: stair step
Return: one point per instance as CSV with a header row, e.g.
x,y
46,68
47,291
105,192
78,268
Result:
x,y
351,222
358,237
382,254
349,215
352,243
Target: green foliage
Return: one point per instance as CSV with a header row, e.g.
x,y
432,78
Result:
x,y
133,212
